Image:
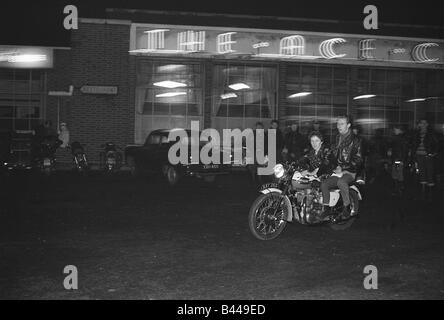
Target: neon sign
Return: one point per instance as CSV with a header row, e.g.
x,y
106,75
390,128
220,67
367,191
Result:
x,y
224,42
326,48
25,57
366,48
191,41
292,46
247,43
419,52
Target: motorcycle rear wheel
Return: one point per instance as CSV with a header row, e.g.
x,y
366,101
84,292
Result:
x,y
263,223
354,204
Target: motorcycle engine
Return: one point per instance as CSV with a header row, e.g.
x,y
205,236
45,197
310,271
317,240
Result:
x,y
313,206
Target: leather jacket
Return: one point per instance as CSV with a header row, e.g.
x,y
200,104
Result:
x,y
430,143
311,161
348,153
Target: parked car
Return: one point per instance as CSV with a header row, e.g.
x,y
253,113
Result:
x,y
152,158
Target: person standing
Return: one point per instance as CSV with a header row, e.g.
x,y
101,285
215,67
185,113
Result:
x,y
64,135
279,140
425,149
397,153
295,144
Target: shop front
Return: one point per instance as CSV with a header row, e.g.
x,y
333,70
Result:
x,y
233,77
23,86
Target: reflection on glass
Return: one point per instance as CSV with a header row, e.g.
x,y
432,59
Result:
x,y
255,96
21,98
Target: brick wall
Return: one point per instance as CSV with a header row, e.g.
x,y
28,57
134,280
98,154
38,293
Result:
x,y
59,79
100,58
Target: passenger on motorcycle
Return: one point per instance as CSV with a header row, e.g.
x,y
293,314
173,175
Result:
x,y
346,156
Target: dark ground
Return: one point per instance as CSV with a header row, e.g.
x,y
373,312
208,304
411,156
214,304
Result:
x,y
138,239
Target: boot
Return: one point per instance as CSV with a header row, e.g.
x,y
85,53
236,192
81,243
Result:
x,y
346,212
326,212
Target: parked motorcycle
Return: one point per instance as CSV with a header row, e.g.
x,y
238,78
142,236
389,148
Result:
x,y
294,197
111,157
46,158
79,157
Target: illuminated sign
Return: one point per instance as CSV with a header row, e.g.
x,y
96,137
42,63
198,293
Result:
x,y
233,43
25,57
225,42
366,48
99,90
326,48
191,41
155,39
292,46
419,52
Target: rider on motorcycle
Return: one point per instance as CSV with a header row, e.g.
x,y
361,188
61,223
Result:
x,y
315,162
346,155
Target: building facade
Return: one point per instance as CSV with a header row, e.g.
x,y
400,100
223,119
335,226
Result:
x,y
140,71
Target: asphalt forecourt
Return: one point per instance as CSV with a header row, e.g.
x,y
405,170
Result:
x,y
138,238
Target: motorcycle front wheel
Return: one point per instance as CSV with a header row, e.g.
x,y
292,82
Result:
x,y
267,217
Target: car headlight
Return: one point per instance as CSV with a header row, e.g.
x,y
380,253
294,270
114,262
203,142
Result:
x,y
279,171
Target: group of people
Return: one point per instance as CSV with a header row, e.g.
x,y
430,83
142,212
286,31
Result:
x,y
419,150
350,157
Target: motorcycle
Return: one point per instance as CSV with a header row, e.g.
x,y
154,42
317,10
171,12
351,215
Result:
x,y
79,157
295,197
111,157
46,159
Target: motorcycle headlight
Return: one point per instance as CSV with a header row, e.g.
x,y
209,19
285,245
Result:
x,y
279,171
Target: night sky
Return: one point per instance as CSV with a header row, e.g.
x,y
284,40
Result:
x,y
32,23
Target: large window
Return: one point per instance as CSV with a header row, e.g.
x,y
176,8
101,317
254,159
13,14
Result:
x,y
22,94
324,92
168,95
316,93
400,97
243,95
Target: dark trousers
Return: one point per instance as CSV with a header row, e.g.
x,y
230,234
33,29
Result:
x,y
334,182
426,168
